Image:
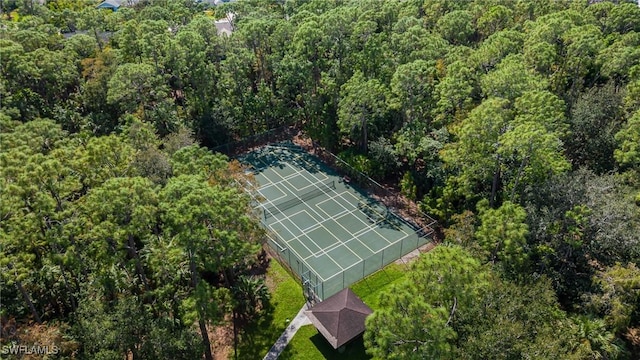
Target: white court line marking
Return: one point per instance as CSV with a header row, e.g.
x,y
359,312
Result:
x,y
302,231
337,240
341,214
367,228
379,251
339,195
335,245
304,202
305,230
276,183
347,248
284,195
288,217
322,224
268,201
300,172
385,239
400,229
317,222
354,236
327,218
357,236
271,202
334,199
293,249
283,178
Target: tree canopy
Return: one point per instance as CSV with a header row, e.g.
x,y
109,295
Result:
x,y
516,124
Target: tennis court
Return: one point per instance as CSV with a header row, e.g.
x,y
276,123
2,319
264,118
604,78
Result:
x,y
329,232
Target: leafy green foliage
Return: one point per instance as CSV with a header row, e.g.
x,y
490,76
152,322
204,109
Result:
x,y
358,161
510,79
456,26
515,321
286,300
498,17
620,287
384,159
417,318
628,152
80,228
362,112
502,235
106,331
452,307
455,102
574,220
495,147
408,186
594,122
595,340
475,160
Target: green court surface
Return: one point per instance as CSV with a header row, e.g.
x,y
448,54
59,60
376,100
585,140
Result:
x,y
328,231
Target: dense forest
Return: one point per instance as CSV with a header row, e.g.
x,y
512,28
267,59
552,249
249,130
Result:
x,y
515,123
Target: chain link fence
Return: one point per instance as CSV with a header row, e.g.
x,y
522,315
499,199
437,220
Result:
x,y
314,286
238,147
397,204
317,289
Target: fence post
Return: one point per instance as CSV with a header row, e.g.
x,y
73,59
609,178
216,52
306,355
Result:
x,y
343,271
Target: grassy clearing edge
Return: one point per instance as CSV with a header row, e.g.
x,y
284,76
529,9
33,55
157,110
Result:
x,y
309,344
286,301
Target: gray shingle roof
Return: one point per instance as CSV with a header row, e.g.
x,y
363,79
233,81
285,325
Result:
x,y
115,4
340,318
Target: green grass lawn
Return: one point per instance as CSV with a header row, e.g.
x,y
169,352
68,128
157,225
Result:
x,y
286,301
308,344
369,288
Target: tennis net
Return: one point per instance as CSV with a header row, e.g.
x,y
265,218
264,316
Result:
x,y
299,199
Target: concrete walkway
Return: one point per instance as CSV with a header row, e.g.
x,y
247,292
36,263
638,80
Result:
x,y
300,320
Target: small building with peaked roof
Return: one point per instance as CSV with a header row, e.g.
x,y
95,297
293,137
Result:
x,y
109,4
224,26
340,318
115,4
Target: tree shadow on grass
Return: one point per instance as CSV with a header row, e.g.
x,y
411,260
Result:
x,y
256,337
